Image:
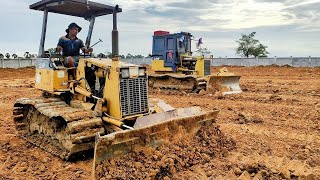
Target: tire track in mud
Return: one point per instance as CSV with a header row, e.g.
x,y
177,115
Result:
x,y
277,89
18,158
266,104
289,128
276,133
294,118
271,109
276,141
290,131
278,116
289,118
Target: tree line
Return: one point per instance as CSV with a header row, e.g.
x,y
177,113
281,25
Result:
x,y
107,54
128,56
26,55
248,46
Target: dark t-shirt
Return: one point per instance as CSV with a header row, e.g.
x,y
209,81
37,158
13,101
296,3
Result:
x,y
70,47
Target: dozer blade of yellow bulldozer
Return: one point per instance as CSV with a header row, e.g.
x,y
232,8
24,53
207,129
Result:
x,y
172,81
150,131
224,84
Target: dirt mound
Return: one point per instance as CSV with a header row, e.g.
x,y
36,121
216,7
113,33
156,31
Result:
x,y
171,159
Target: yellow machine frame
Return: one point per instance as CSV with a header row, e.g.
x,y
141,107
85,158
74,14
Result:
x,y
51,80
111,69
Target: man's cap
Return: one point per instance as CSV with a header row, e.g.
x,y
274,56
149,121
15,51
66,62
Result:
x,y
72,25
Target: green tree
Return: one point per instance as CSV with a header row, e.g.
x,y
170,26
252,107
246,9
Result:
x,y
203,51
129,56
7,55
105,55
1,56
52,50
138,56
27,55
109,55
249,46
101,55
14,56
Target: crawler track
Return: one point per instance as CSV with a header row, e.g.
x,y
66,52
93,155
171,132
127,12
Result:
x,y
56,127
189,83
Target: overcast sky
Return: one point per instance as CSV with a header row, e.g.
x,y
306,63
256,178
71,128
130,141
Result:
x,y
287,27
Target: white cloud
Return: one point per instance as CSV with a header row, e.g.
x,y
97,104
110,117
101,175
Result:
x,y
279,23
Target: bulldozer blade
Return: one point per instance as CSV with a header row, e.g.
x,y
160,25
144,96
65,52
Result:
x,y
150,131
172,81
224,84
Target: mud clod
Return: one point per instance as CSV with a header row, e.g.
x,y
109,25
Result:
x,y
209,143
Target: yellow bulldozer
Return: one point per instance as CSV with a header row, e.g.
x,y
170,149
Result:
x,y
106,109
175,68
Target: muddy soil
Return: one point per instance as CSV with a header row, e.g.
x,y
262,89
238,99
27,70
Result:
x,y
270,131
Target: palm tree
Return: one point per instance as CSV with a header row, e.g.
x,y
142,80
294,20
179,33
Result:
x,y
33,55
51,50
101,55
26,55
129,56
14,56
7,55
203,51
109,55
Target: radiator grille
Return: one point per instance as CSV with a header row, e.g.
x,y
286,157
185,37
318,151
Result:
x,y
133,96
207,66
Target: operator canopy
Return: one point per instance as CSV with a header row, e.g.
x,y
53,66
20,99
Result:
x,y
79,8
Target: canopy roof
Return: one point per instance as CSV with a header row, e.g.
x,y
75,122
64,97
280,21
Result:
x,y
79,8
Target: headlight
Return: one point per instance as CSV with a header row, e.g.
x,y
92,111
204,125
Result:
x,y
142,72
125,73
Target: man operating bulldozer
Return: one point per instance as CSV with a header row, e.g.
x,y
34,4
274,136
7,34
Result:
x,y
70,46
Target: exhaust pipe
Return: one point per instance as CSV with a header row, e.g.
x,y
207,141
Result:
x,y
115,35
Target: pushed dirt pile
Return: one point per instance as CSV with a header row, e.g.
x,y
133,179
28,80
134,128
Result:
x,y
171,159
270,131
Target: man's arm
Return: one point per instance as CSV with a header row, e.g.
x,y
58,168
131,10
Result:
x,y
59,47
84,49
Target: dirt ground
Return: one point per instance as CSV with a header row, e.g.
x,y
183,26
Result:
x,y
270,131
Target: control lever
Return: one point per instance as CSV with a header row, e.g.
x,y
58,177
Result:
x,y
96,43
